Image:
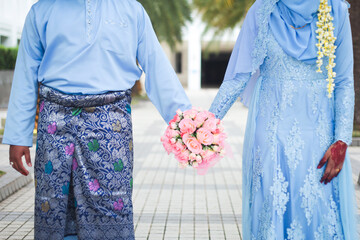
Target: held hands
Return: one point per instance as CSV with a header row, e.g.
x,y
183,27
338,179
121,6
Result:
x,y
15,156
334,157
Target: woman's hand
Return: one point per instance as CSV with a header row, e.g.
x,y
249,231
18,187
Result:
x,y
334,157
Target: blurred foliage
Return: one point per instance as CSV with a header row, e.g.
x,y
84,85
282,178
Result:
x,y
168,18
7,58
356,133
222,14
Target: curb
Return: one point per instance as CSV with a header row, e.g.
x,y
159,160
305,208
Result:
x,y
11,182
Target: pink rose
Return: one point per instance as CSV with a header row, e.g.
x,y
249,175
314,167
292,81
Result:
x,y
176,119
219,139
177,148
210,114
183,156
191,113
193,145
173,125
200,118
185,137
208,155
174,133
187,126
166,143
192,156
205,136
210,124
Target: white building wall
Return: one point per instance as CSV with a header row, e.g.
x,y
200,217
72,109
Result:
x,y
12,18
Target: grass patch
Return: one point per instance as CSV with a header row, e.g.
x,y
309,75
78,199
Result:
x,y
2,131
356,133
138,98
2,173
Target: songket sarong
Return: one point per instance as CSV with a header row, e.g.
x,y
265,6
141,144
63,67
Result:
x,y
83,166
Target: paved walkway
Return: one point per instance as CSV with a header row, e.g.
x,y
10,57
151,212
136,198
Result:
x,y
169,203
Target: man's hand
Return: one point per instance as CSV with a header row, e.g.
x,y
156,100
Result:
x,y
334,157
15,157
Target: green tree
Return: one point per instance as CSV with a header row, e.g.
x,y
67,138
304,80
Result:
x,y
168,18
223,14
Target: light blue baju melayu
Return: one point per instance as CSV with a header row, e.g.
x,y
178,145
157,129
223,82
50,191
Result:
x,y
84,54
291,122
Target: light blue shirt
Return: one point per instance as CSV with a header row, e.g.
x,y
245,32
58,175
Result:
x,y
88,47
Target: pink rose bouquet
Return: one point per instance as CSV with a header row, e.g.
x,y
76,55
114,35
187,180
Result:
x,y
196,138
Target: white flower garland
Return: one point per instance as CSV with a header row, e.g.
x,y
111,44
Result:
x,y
326,43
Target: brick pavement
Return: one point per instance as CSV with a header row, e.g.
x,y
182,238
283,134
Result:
x,y
169,202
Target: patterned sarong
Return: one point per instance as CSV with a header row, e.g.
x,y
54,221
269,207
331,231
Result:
x,y
83,166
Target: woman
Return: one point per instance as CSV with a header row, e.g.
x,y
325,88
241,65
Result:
x,y
296,179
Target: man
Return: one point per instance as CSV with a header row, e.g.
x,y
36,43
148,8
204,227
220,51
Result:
x,y
82,54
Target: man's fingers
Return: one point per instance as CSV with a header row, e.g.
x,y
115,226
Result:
x,y
324,159
22,169
27,157
18,166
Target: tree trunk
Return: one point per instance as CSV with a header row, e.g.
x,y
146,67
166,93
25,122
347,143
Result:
x,y
355,25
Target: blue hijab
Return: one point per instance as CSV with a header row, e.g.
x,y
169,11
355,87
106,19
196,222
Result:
x,y
293,23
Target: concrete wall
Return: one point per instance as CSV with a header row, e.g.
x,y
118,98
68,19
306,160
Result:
x,y
5,87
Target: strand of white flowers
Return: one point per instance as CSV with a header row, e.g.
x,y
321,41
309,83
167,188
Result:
x,y
326,43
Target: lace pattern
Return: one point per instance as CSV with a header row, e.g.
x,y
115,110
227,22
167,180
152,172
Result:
x,y
228,93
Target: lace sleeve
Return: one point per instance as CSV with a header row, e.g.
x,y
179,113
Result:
x,y
344,85
229,91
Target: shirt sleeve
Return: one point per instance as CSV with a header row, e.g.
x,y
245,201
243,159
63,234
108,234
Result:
x,y
161,83
23,97
344,95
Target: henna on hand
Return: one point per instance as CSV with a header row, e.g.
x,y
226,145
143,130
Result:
x,y
334,157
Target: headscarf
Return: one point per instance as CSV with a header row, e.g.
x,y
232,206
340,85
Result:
x,y
278,16
293,23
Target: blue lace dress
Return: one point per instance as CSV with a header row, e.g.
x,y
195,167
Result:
x,y
293,124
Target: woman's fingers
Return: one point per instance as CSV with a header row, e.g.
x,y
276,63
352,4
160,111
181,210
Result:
x,y
326,173
324,159
334,172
